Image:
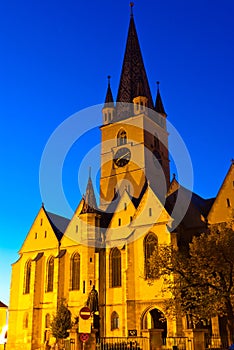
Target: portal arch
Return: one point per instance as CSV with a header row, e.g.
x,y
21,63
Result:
x,y
154,318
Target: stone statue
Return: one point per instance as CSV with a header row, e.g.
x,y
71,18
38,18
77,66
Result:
x,y
92,301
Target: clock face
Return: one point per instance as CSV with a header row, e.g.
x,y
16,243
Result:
x,y
122,157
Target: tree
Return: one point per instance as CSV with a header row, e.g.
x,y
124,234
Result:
x,y
201,280
61,322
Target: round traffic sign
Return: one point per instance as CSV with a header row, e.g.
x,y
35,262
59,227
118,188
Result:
x,y
84,337
85,313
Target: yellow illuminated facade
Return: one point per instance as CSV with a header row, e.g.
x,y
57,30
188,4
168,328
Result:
x,y
108,246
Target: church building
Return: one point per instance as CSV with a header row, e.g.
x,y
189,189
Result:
x,y
108,244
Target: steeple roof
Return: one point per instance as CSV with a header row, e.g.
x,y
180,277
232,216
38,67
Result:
x,y
158,104
90,204
133,70
109,101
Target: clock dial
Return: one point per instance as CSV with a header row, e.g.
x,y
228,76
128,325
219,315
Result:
x,y
122,157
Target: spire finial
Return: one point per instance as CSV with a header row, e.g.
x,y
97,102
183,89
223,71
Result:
x,y
90,172
232,161
131,6
158,83
109,78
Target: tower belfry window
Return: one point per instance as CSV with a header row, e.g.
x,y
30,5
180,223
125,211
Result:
x,y
121,138
156,141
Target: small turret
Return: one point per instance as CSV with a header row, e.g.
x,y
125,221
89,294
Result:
x,y
159,108
90,203
108,110
90,215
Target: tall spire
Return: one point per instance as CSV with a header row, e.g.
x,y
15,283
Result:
x,y
158,104
133,69
109,97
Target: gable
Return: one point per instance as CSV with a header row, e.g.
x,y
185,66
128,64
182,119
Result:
x,y
120,225
222,208
73,233
124,212
150,213
42,235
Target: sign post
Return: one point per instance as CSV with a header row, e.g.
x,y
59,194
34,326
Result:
x,y
84,337
85,324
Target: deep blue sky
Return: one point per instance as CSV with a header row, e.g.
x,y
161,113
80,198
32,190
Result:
x,y
55,57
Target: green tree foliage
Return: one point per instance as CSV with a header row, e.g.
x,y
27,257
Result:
x,y
61,322
201,281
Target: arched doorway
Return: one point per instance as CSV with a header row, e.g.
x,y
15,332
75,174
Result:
x,y
154,319
159,321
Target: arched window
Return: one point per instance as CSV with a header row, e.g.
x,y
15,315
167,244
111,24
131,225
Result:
x,y
25,321
150,245
114,320
50,275
75,271
156,141
27,277
115,268
47,321
121,138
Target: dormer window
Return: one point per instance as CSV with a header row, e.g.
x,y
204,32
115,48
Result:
x,y
121,138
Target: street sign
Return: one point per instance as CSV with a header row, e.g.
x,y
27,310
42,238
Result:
x,y
85,313
84,337
132,333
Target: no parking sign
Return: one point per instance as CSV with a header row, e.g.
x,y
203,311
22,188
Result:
x,y
84,337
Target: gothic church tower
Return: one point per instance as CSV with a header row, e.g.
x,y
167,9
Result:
x,y
134,134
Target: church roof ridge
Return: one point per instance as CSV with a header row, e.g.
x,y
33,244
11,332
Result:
x,y
58,223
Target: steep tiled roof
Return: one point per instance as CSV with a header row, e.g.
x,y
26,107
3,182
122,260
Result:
x,y
58,223
3,305
198,207
133,71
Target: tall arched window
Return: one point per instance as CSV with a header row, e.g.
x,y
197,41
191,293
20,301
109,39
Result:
x,y
121,138
27,276
156,141
47,321
115,268
114,320
50,275
150,245
75,271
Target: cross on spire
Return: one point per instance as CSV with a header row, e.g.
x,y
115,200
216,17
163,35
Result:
x,y
131,7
